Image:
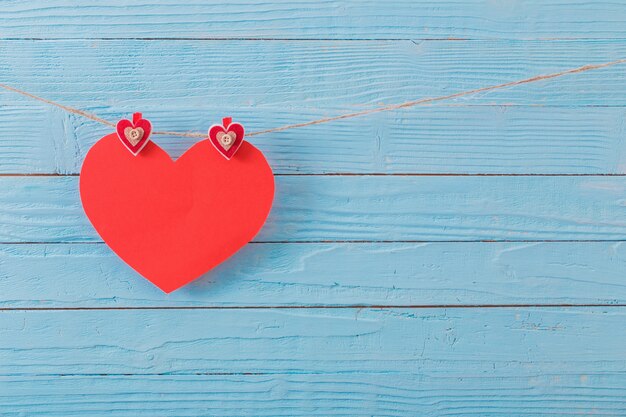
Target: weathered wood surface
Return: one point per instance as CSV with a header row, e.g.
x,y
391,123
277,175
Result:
x,y
313,362
353,19
431,140
326,76
327,274
367,208
289,85
298,395
279,330
505,342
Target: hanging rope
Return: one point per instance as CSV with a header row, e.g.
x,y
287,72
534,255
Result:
x,y
405,105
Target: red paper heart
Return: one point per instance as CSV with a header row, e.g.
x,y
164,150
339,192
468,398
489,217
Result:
x,y
137,122
227,127
174,221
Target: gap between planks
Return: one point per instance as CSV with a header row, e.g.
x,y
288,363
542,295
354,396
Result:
x,y
354,242
116,375
371,174
321,307
270,39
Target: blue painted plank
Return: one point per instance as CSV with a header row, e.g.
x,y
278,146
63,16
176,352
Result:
x,y
461,343
329,76
523,361
367,208
294,395
353,19
433,139
407,274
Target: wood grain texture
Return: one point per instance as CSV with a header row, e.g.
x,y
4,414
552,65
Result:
x,y
353,19
296,395
431,140
331,76
280,331
399,274
289,85
506,343
367,208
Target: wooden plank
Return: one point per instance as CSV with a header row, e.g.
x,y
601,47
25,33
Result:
x,y
331,76
290,86
367,208
407,274
293,395
353,19
447,342
432,140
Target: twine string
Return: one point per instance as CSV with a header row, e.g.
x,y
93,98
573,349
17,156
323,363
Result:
x,y
399,106
59,105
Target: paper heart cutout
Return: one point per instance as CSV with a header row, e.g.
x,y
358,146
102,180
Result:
x,y
174,221
227,138
134,135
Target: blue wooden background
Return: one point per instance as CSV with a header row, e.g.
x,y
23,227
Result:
x,y
394,277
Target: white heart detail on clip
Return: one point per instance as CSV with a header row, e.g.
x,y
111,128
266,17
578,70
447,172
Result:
x,y
134,136
226,139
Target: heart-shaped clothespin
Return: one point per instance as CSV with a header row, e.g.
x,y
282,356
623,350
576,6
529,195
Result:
x,y
134,135
227,137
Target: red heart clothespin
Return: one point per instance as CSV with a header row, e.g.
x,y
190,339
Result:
x,y
226,138
134,135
